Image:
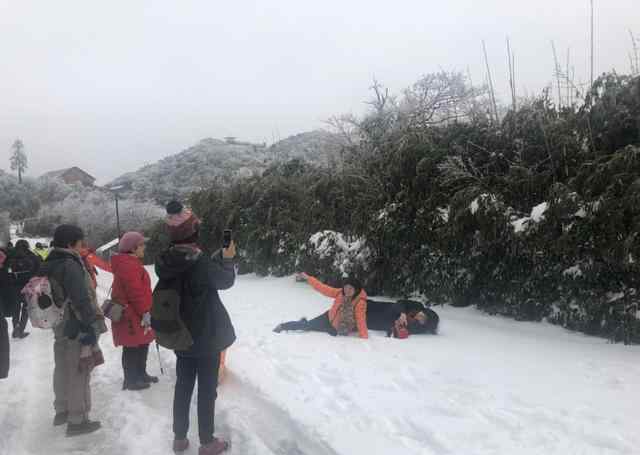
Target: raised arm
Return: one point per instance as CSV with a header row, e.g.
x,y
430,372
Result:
x,y
322,288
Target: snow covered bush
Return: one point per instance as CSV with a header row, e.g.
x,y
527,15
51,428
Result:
x,y
332,256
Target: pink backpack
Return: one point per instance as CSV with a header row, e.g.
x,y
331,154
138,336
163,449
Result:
x,y
44,312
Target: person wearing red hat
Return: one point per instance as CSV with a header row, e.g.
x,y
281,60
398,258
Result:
x,y
197,277
132,289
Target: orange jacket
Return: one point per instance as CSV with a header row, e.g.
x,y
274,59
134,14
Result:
x,y
359,305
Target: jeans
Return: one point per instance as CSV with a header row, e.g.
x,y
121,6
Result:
x,y
205,369
319,324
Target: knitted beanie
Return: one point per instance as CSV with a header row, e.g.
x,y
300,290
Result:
x,y
182,224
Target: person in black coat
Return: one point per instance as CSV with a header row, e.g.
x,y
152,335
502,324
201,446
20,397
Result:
x,y
206,318
4,312
22,265
413,315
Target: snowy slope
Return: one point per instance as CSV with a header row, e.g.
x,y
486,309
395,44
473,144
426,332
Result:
x,y
485,385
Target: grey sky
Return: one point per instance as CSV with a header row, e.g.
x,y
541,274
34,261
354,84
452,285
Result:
x,y
110,86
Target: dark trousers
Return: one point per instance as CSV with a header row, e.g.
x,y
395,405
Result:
x,y
20,317
4,347
319,324
205,369
134,363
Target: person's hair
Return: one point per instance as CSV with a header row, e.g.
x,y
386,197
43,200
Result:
x,y
39,245
353,282
22,245
430,325
67,235
193,239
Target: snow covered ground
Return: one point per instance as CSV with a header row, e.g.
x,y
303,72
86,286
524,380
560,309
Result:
x,y
485,385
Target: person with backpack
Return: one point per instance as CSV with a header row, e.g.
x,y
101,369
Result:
x,y
76,349
189,317
132,290
4,312
22,265
347,314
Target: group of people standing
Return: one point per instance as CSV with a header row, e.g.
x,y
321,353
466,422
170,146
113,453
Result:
x,y
183,266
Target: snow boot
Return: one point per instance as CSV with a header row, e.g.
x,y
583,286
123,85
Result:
x,y
20,334
180,445
60,419
215,447
150,379
138,385
293,325
86,427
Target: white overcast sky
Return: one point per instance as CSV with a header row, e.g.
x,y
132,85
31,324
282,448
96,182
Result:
x,y
110,86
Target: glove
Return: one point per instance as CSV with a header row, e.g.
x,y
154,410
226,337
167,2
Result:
x,y
146,320
87,336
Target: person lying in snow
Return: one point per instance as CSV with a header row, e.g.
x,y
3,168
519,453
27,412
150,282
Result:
x,y
396,319
346,315
402,318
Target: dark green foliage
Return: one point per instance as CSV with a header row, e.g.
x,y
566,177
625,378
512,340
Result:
x,y
445,205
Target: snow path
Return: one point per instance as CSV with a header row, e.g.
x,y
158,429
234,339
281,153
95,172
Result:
x,y
486,385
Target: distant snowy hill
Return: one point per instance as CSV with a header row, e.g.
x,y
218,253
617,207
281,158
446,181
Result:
x,y
213,160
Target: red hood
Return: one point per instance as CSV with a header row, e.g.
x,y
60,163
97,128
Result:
x,y
125,263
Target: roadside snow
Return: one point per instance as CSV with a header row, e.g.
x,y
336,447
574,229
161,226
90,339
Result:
x,y
485,385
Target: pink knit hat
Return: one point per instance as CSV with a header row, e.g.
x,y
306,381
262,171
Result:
x,y
130,242
181,222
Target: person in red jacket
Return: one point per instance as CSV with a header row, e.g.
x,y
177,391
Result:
x,y
347,314
132,289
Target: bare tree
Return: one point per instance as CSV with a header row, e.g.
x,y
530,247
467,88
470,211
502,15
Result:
x,y
491,90
18,159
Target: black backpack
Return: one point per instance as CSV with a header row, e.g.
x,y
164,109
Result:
x,y
171,331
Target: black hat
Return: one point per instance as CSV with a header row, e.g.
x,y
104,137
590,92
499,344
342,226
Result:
x,y
67,234
174,207
22,245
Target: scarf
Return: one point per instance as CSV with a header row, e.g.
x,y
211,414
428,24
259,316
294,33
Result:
x,y
347,320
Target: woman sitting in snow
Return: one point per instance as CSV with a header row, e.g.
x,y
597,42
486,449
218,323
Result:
x,y
398,319
347,314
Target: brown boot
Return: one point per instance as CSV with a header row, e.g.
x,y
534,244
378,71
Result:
x,y
215,447
180,445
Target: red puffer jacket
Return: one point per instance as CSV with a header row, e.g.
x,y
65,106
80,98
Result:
x,y
132,288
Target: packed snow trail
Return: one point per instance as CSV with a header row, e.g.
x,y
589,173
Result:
x,y
485,385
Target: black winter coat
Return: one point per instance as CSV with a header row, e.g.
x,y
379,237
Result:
x,y
383,315
19,268
68,277
200,278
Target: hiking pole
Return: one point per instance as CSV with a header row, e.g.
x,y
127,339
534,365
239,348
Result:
x,y
159,358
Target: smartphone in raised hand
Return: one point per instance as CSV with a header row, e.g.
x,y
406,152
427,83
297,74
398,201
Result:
x,y
226,238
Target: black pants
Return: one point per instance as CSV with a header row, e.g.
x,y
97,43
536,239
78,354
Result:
x,y
20,316
4,347
134,363
319,324
205,369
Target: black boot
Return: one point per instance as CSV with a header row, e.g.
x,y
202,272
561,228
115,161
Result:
x,y
144,356
292,325
60,419
86,427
